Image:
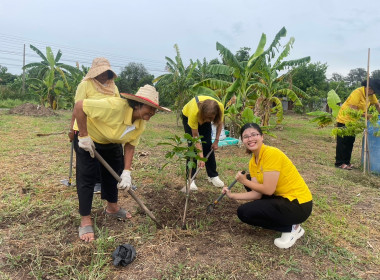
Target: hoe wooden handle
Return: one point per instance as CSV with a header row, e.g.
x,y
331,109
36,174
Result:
x,y
117,177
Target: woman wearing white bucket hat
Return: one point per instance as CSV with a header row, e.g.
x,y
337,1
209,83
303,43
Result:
x,y
97,84
105,124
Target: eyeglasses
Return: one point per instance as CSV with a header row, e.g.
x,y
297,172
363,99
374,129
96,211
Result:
x,y
245,137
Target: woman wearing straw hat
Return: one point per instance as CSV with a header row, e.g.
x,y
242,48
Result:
x,y
97,84
103,125
356,101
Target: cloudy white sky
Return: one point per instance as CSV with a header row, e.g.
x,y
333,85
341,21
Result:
x,y
336,32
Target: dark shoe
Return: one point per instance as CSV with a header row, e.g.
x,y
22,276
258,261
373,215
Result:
x,y
98,188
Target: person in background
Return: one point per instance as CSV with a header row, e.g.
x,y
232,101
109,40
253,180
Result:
x,y
356,101
280,198
197,116
97,84
106,125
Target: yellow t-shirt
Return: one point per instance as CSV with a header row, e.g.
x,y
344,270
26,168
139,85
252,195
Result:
x,y
356,98
190,110
290,183
87,90
109,120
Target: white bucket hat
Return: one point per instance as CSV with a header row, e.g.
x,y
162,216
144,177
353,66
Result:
x,y
146,95
99,66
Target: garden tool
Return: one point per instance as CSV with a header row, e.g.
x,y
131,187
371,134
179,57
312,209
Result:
x,y
196,172
68,182
130,191
211,206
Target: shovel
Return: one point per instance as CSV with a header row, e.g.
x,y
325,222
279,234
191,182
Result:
x,y
67,182
211,206
114,174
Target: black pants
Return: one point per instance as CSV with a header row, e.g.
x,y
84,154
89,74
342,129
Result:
x,y
76,147
274,212
344,146
205,131
87,170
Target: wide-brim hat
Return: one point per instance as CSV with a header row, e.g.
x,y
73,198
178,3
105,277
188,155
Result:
x,y
147,95
99,66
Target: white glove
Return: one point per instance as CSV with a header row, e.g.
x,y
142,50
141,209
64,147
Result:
x,y
126,180
87,144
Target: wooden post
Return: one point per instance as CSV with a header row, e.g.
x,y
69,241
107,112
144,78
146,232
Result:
x,y
23,73
366,150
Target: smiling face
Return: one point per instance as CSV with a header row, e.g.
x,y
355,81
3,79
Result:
x,y
252,139
145,112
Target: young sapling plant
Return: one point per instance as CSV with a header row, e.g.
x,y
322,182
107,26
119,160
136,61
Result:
x,y
184,149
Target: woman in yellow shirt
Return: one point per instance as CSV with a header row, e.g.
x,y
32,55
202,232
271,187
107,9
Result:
x,y
356,101
281,200
98,83
197,116
103,125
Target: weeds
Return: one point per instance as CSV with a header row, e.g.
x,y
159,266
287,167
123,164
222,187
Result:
x,y
39,216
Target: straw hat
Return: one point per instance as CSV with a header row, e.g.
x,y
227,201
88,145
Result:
x,y
146,95
99,66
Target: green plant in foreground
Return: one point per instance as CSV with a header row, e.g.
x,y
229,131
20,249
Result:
x,y
184,152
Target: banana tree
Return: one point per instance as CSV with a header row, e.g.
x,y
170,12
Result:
x,y
270,85
179,81
255,83
46,70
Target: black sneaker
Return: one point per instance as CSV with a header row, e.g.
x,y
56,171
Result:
x,y
98,188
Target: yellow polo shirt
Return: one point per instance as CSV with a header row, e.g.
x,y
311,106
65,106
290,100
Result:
x,y
290,183
87,90
109,120
356,98
190,110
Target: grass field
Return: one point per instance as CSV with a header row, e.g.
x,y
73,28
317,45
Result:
x,y
39,216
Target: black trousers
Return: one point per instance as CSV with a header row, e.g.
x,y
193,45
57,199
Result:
x,y
87,170
204,130
76,147
274,212
344,146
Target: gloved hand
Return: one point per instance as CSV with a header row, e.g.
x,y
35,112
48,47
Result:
x,y
87,144
126,180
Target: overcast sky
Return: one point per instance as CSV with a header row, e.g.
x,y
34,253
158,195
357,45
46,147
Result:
x,y
338,33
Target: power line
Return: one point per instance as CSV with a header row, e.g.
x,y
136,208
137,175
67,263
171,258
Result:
x,y
8,44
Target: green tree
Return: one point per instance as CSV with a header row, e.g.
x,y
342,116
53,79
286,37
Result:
x,y
355,77
311,78
49,70
5,77
375,74
255,83
243,54
132,77
339,85
177,84
271,85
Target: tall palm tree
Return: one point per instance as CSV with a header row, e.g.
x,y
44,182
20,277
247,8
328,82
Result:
x,y
49,70
178,81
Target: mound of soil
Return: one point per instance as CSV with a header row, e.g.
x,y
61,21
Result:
x,y
29,109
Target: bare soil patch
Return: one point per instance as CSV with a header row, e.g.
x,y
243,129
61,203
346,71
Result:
x,y
29,109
